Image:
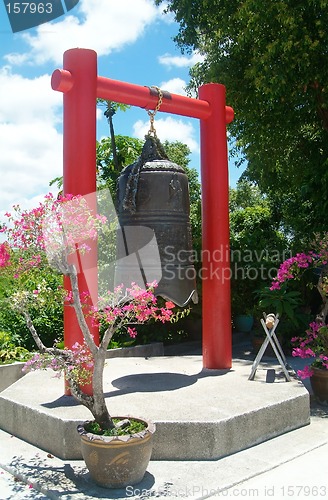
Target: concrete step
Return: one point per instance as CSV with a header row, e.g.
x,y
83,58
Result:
x,y
199,414
9,374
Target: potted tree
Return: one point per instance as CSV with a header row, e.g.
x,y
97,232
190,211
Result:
x,y
49,236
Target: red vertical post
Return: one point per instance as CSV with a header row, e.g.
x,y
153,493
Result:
x,y
80,166
217,340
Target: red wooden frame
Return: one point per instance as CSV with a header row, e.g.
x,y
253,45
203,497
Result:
x,y
80,84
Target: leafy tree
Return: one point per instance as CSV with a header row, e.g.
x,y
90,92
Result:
x,y
257,244
110,109
110,162
271,56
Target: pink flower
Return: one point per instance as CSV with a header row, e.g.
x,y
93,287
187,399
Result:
x,y
305,373
132,332
290,268
303,353
4,255
169,305
69,296
324,361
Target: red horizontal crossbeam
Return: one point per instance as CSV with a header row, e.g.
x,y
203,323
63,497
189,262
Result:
x,y
137,95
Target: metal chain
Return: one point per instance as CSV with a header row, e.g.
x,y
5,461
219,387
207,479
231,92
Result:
x,y
152,130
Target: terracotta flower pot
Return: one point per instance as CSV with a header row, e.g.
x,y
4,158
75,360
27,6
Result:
x,y
117,461
319,383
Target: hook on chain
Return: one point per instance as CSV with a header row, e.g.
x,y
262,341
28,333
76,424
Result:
x,y
152,130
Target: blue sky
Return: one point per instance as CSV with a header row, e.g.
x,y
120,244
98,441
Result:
x,y
134,43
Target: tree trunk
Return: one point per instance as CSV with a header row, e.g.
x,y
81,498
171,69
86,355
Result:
x,y
100,411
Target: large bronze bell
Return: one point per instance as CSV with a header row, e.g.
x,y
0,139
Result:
x,y
154,242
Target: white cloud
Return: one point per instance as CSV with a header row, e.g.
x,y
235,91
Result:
x,y
30,145
99,114
180,61
171,129
31,155
16,59
175,86
24,100
103,25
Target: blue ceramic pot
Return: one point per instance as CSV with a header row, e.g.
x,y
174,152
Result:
x,y
243,322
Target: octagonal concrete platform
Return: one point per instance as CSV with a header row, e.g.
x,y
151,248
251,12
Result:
x,y
200,414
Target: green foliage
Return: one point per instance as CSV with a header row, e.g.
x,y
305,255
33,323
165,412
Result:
x,y
111,107
271,56
127,151
147,334
14,353
5,339
57,181
257,244
9,352
133,427
48,320
246,194
283,302
178,153
195,208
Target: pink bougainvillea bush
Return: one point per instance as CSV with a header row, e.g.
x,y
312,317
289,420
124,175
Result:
x,y
314,344
48,236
